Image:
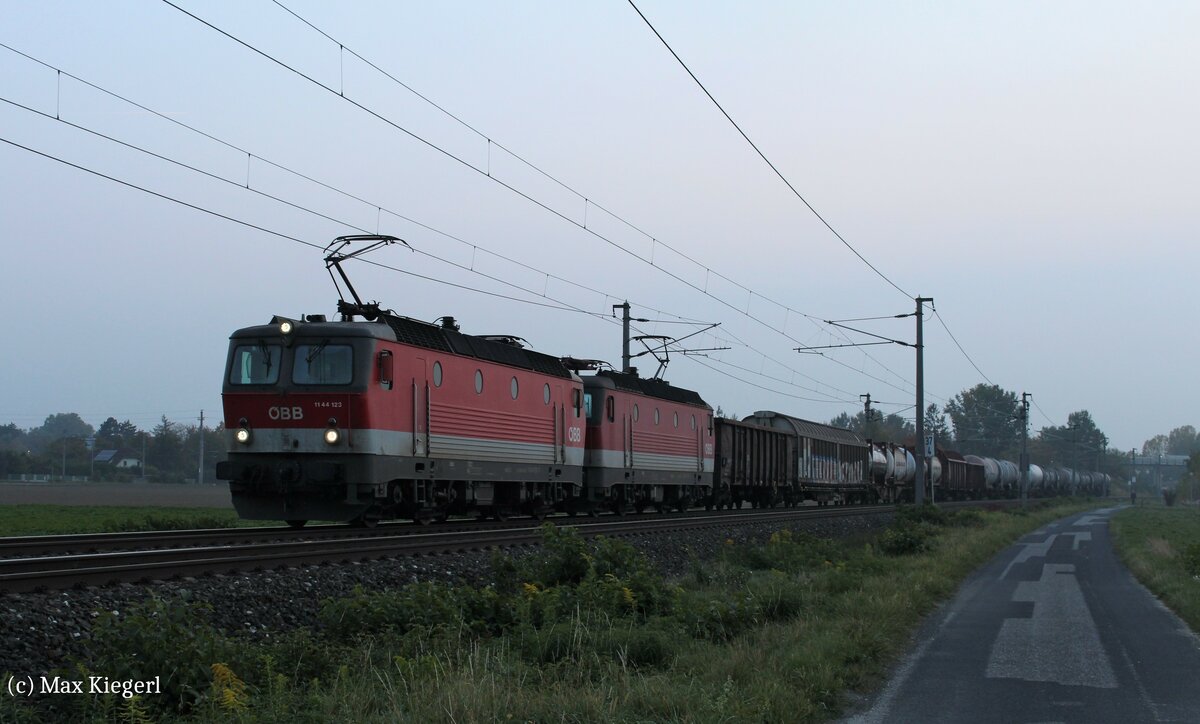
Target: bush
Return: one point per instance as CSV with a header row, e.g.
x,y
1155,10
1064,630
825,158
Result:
x,y
1191,560
905,540
915,514
785,551
779,597
717,619
417,605
171,638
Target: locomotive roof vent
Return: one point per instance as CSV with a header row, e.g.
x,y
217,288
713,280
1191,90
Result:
x,y
314,318
448,322
508,339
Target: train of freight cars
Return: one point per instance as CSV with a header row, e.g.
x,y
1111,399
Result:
x,y
389,417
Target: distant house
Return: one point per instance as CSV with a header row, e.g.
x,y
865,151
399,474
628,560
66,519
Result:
x,y
122,458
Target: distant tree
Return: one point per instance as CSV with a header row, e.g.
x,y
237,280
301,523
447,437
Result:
x,y
1188,487
986,421
12,438
1155,445
166,449
108,434
891,428
935,422
1183,440
117,434
56,428
214,451
1078,444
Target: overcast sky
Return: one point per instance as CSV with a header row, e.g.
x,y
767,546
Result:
x,y
1031,166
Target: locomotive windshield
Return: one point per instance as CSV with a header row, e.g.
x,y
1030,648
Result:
x,y
323,364
255,364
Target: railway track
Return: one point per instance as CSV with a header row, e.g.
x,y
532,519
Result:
x,y
165,555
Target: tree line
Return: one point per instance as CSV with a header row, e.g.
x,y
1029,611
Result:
x,y
986,420
59,447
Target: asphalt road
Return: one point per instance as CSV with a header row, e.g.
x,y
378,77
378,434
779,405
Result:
x,y
1054,629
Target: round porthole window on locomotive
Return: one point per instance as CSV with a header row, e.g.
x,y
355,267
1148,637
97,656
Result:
x,y
478,382
546,394
512,388
635,413
437,374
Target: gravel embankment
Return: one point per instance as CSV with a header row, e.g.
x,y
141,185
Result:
x,y
41,630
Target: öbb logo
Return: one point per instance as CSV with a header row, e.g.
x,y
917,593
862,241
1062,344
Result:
x,y
285,413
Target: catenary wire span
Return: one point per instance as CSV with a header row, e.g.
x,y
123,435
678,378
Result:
x,y
559,306
543,205
249,188
960,347
763,156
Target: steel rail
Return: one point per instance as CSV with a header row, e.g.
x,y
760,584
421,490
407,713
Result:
x,y
66,571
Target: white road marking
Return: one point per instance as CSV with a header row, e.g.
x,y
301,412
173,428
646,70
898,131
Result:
x,y
1060,643
1085,535
1030,550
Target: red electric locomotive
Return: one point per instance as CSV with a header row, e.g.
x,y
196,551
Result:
x,y
393,417
649,444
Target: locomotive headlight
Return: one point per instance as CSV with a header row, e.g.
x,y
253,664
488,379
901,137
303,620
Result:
x,y
285,327
243,432
332,434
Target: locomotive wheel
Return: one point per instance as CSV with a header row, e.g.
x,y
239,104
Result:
x,y
297,524
500,514
364,521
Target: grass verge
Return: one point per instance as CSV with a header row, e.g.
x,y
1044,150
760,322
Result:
x,y
36,519
581,631
1161,546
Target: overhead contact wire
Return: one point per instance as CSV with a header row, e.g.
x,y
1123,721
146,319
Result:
x,y
763,156
486,172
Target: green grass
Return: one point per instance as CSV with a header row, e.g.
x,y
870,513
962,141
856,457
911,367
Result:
x,y
19,520
581,632
1161,546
